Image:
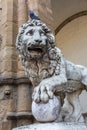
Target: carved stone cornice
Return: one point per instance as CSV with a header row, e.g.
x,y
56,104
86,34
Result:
x,y
14,81
19,115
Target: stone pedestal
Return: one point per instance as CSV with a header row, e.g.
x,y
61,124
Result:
x,y
54,126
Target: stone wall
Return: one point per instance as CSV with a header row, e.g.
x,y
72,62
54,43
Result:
x,y
15,88
11,80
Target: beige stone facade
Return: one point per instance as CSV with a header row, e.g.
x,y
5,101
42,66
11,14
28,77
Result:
x,y
67,19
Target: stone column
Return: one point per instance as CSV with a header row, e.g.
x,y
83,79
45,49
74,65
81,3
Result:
x,y
43,9
23,98
33,5
24,105
45,12
0,34
22,12
22,18
8,54
9,32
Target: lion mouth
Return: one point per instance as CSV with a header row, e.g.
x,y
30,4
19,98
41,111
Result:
x,y
35,52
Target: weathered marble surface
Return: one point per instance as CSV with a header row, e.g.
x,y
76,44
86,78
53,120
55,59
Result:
x,y
54,126
46,112
48,70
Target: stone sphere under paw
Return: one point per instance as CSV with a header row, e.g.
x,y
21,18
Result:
x,y
46,112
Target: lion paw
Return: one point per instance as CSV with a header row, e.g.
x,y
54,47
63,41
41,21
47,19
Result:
x,y
42,93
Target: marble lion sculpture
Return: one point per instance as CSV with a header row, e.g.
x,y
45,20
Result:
x,y
47,69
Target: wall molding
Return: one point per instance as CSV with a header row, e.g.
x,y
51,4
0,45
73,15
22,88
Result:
x,y
14,81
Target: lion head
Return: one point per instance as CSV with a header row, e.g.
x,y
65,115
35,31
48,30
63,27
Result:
x,y
34,39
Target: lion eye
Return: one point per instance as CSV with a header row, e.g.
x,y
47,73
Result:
x,y
30,32
42,33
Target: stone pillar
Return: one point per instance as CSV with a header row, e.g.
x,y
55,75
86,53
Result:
x,y
43,9
9,32
8,54
33,5
22,18
22,12
45,12
24,105
23,98
0,34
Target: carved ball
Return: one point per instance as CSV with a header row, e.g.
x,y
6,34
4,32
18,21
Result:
x,y
46,112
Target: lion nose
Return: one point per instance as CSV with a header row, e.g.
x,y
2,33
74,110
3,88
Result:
x,y
38,40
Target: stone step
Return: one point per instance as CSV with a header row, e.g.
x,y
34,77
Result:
x,y
54,126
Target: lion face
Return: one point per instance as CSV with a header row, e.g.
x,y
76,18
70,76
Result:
x,y
34,40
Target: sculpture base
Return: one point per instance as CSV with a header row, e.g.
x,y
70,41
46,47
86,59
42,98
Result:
x,y
54,126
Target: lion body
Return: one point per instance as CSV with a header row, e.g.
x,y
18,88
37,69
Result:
x,y
46,67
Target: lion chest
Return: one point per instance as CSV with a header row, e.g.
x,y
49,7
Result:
x,y
38,71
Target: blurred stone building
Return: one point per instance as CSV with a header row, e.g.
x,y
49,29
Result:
x,y
68,21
